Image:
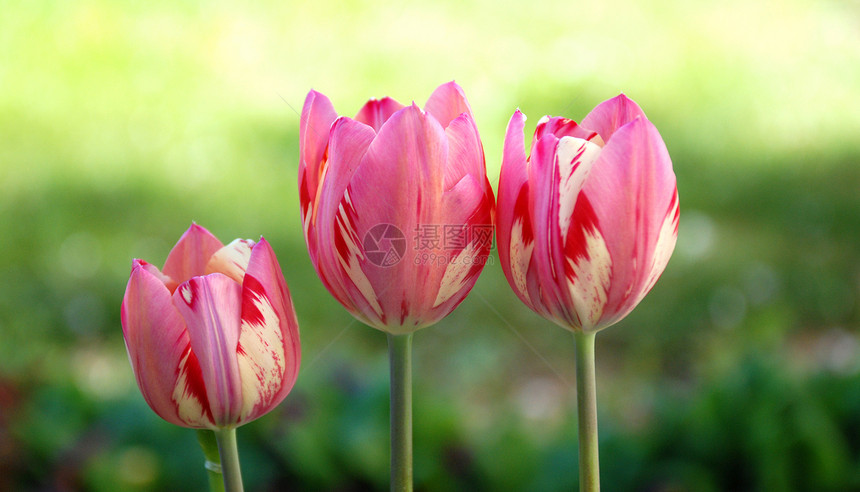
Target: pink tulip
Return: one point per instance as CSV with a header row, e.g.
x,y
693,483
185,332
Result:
x,y
212,338
382,197
587,223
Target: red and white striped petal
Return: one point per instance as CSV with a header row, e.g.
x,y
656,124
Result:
x,y
574,158
666,240
580,262
563,127
588,267
211,307
158,346
260,353
458,269
514,233
268,352
192,405
231,260
544,196
377,111
634,169
349,142
448,102
189,256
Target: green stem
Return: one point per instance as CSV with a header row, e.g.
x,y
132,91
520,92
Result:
x,y
213,460
400,360
586,404
229,459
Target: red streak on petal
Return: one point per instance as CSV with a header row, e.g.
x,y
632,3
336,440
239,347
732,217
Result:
x,y
347,220
673,204
304,193
252,290
582,221
521,211
404,311
194,384
563,127
340,243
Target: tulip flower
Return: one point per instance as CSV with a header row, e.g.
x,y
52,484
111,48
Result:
x,y
418,171
396,207
587,222
212,337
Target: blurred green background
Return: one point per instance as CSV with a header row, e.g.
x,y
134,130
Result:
x,y
123,121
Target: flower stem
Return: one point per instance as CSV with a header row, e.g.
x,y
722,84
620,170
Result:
x,y
400,361
586,403
213,460
229,459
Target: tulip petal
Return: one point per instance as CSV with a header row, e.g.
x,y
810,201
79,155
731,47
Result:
x,y
612,114
588,268
231,260
406,156
318,115
377,111
447,102
544,198
521,247
514,231
466,204
211,307
268,351
359,295
149,267
574,158
465,153
189,256
635,169
349,142
666,240
563,127
166,369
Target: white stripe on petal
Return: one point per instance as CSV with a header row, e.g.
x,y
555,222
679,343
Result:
x,y
520,257
260,355
665,245
323,170
575,157
352,264
188,407
231,260
456,273
306,220
591,275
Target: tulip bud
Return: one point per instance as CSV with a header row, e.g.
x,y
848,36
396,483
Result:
x,y
212,337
